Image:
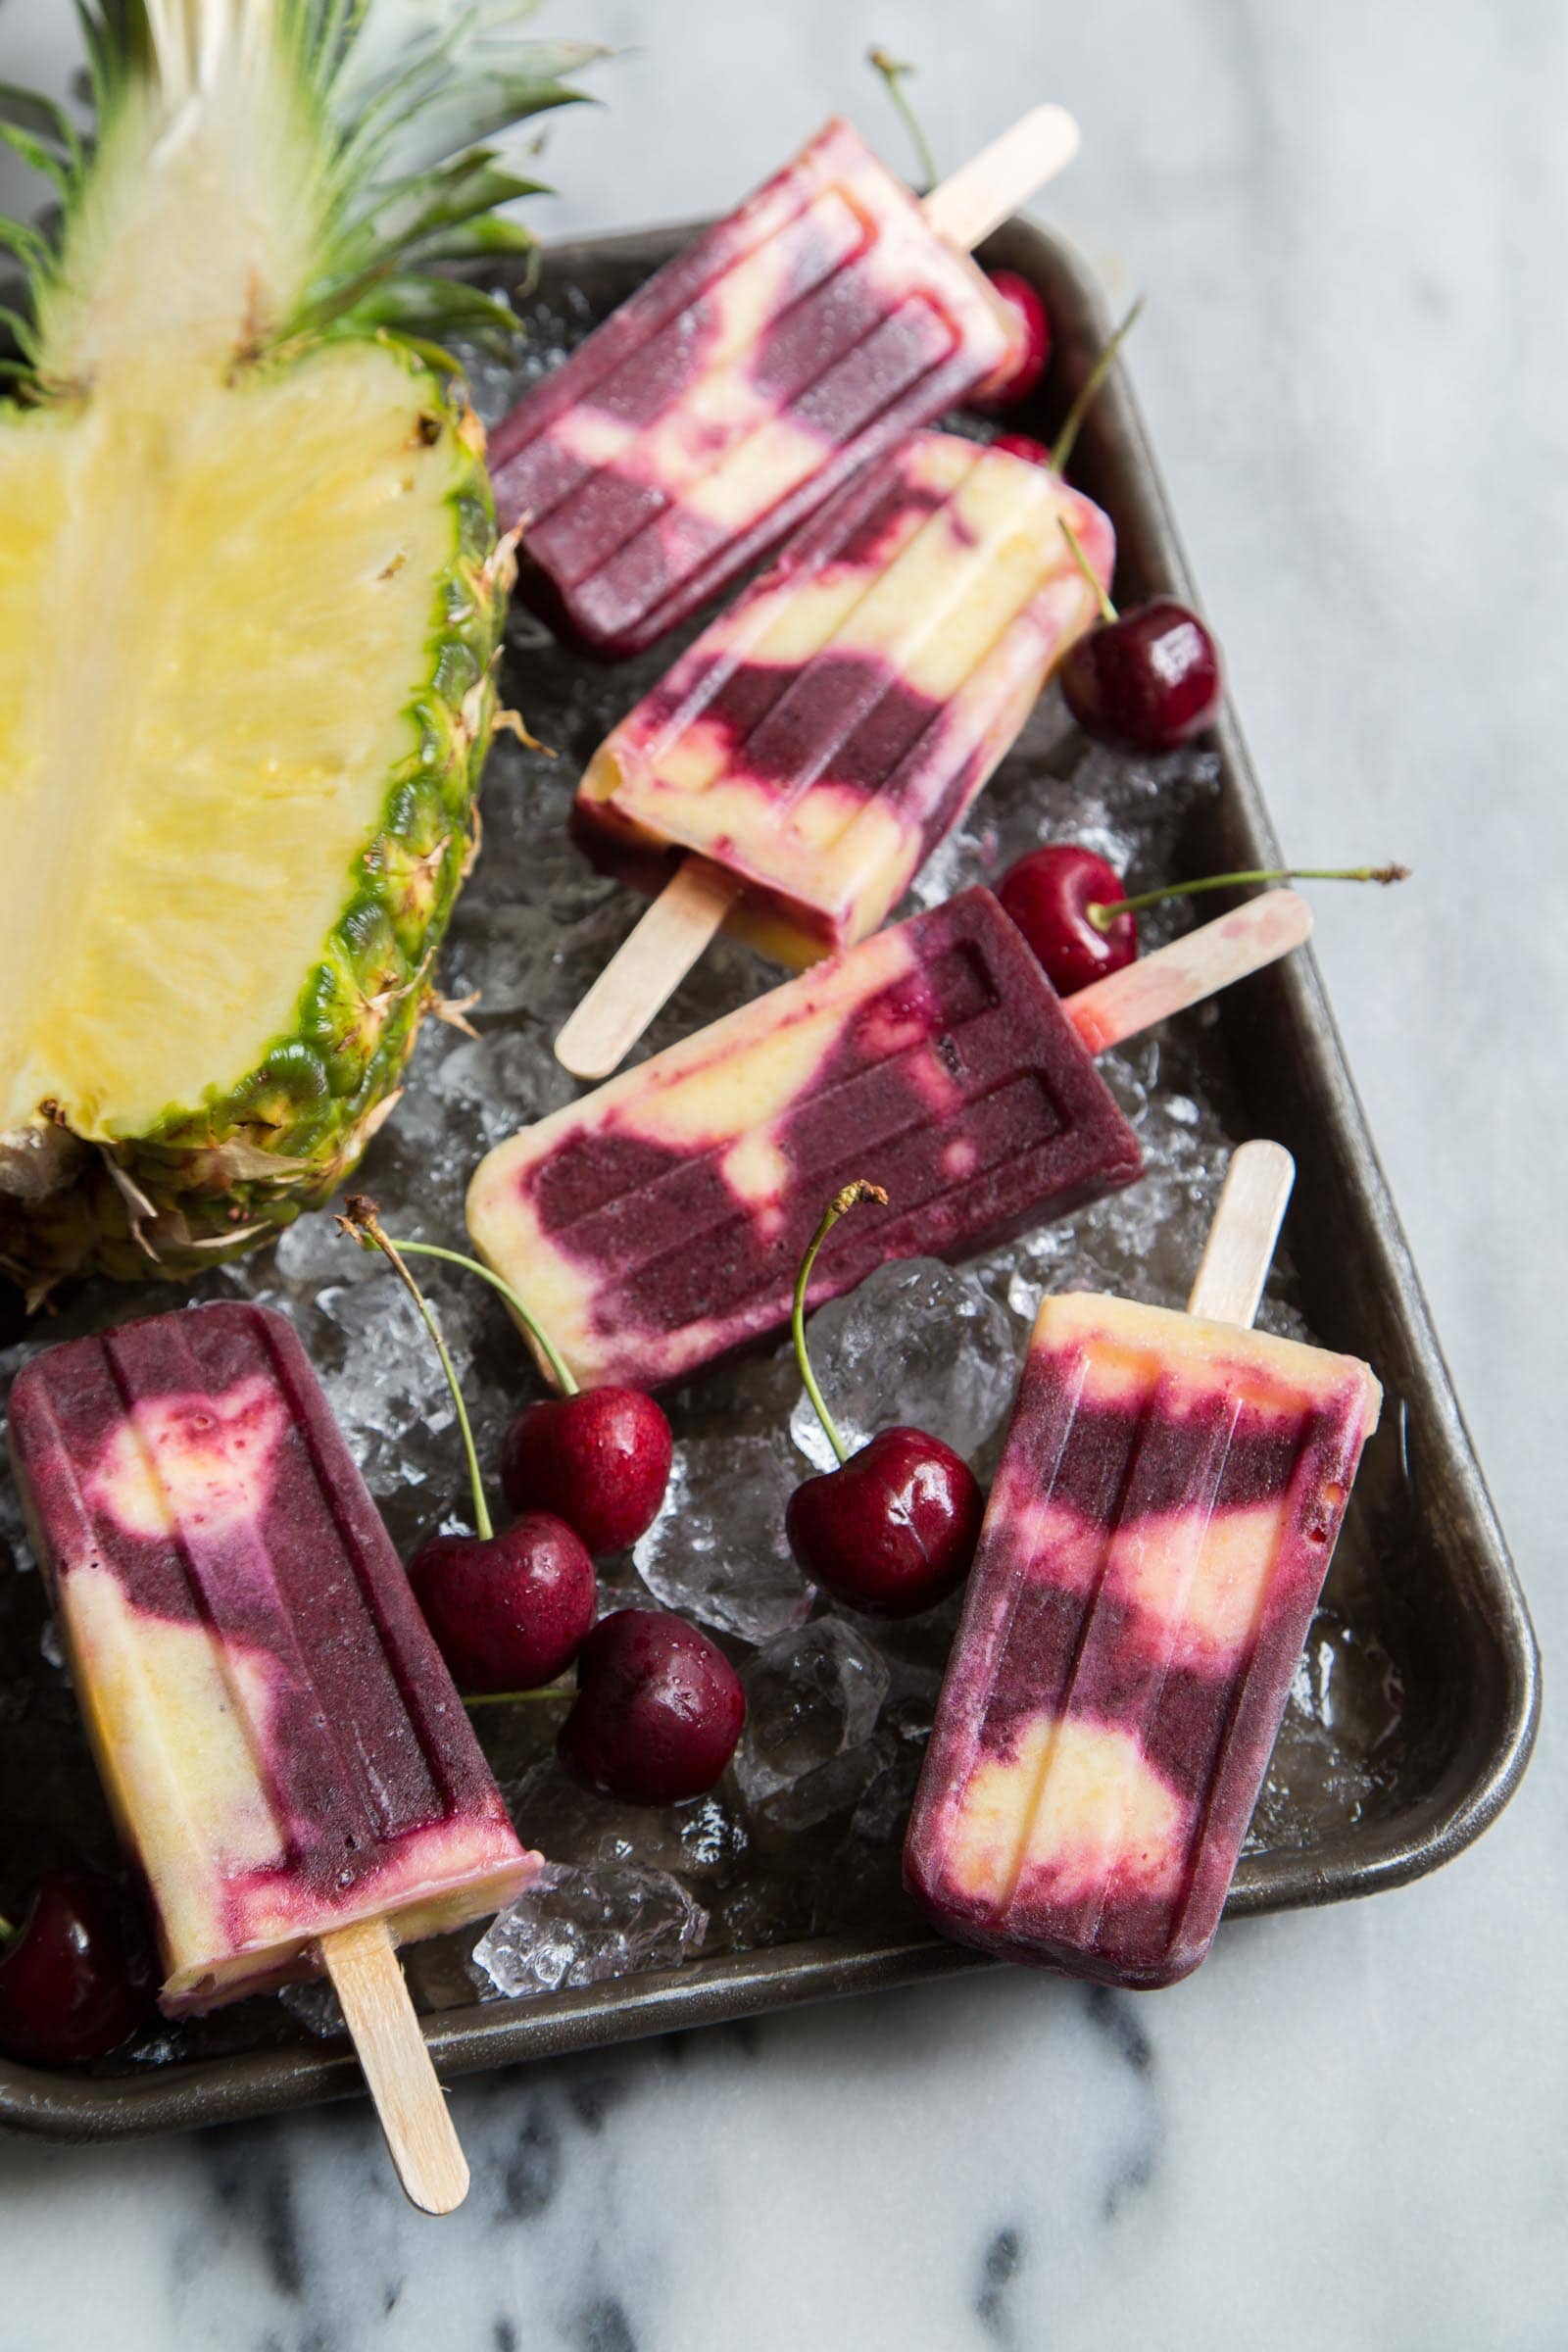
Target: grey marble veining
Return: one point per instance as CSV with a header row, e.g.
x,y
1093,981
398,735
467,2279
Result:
x,y
1349,2129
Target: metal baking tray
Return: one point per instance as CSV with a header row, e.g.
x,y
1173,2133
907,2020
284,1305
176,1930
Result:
x,y
1446,1589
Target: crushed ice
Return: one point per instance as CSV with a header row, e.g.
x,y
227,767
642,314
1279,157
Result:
x,y
578,1925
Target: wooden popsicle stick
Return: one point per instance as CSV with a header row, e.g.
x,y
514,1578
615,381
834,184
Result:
x,y
983,193
363,1964
1207,961
646,969
1240,1249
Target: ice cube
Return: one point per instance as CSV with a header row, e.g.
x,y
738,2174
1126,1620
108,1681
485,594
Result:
x,y
718,1551
579,1924
918,1343
163,2049
812,1699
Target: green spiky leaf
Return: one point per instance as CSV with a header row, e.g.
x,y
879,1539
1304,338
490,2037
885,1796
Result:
x,y
30,246
39,158
435,306
29,111
22,333
475,241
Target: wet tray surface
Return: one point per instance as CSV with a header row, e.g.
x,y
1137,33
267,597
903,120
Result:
x,y
1414,1705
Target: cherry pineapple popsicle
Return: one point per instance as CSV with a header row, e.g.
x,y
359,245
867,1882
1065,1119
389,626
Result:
x,y
807,753
289,1763
793,342
657,1225
1154,1544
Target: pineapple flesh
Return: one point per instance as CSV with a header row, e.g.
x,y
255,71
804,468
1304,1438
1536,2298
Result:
x,y
250,599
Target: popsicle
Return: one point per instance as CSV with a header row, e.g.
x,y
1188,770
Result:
x,y
792,342
287,1759
1155,1540
810,749
656,1225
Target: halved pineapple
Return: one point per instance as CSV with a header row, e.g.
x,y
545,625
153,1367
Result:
x,y
250,595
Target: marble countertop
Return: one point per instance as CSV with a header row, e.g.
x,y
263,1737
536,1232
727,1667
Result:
x,y
1348,2130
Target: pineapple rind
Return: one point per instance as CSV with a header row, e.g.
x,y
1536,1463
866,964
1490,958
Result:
x,y
220,1176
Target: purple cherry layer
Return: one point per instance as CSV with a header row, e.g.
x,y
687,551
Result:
x,y
75,1979
658,1712
508,1611
1049,895
892,1530
599,1460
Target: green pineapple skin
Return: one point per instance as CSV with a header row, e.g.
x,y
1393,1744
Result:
x,y
222,1176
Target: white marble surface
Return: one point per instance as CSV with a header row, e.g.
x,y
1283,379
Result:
x,y
1349,2129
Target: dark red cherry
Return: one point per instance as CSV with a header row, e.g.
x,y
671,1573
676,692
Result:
x,y
1023,445
658,1712
1026,363
508,1611
599,1460
1146,681
891,1529
75,1979
1049,895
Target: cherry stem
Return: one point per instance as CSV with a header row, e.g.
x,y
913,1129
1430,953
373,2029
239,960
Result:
x,y
7,1931
1103,912
361,1222
893,71
850,1198
558,1372
511,1698
1089,391
1107,610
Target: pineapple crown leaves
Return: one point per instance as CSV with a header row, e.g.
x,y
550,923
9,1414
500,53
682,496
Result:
x,y
413,184
399,118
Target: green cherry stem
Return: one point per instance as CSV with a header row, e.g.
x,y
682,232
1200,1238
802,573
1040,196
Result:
x,y
894,72
1089,391
361,1222
850,1198
1107,610
1103,912
7,1931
